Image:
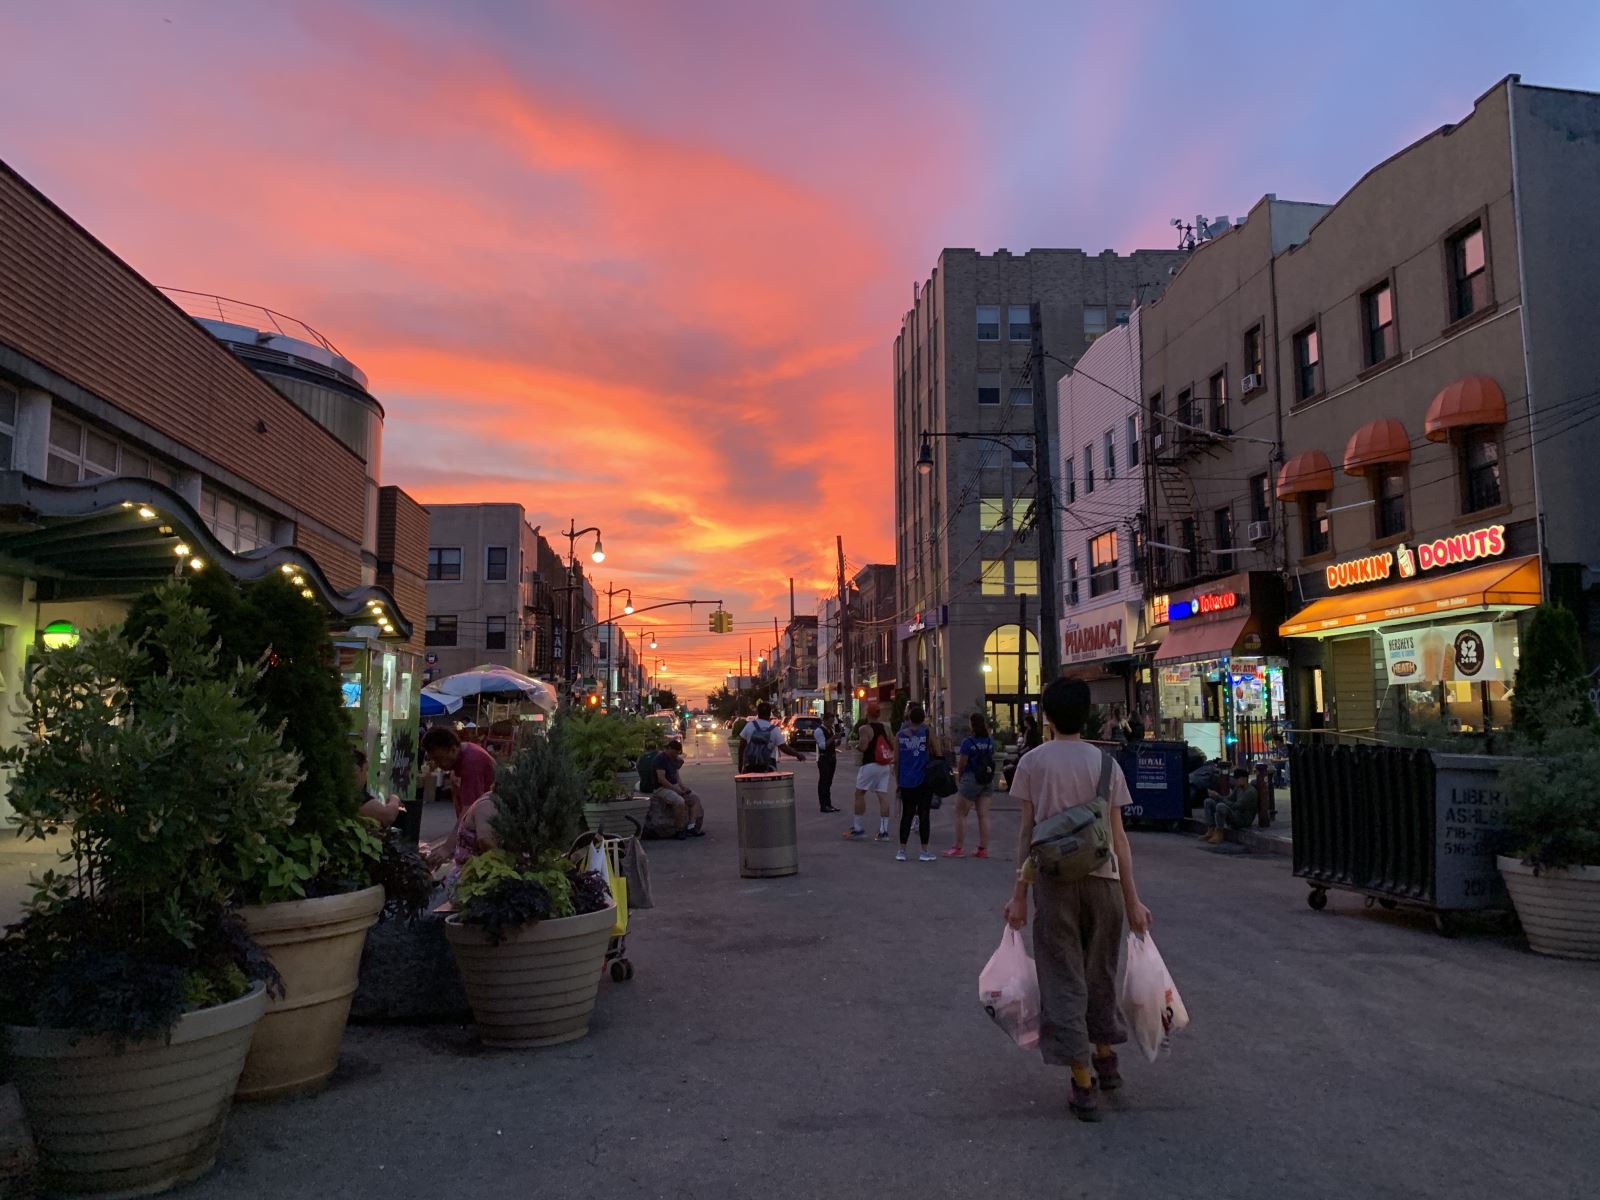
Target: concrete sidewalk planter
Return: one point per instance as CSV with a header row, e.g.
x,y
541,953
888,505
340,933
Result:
x,y
132,1119
1559,908
537,987
316,946
616,818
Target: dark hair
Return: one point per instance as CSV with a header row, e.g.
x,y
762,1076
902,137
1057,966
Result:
x,y
440,738
980,727
914,713
1066,702
359,757
1241,773
675,745
764,710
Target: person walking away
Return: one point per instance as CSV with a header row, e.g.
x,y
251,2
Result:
x,y
915,747
760,743
875,775
1077,926
471,767
974,786
1234,809
827,763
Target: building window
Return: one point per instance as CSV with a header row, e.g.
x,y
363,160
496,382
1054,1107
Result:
x,y
1094,321
1157,426
1314,523
444,563
1103,575
1469,275
495,561
992,577
1088,470
1019,323
494,636
1307,358
1022,513
1133,441
236,525
78,452
1254,363
1219,403
988,322
1110,455
1389,494
1021,395
1025,577
1480,469
1069,484
1189,539
1161,555
1261,497
1222,527
1122,314
1185,413
991,513
1377,319
988,387
1072,580
440,631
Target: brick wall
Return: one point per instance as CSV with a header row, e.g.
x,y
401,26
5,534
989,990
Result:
x,y
69,304
403,556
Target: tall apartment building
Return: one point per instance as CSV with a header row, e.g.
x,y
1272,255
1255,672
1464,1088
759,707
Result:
x,y
966,559
482,594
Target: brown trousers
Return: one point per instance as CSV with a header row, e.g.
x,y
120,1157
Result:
x,y
1077,942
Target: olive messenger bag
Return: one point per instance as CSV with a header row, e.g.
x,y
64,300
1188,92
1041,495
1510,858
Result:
x,y
1076,842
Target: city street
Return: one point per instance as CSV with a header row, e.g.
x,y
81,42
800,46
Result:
x,y
819,1036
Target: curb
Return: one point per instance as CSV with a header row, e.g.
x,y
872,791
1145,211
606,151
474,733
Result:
x,y
1258,840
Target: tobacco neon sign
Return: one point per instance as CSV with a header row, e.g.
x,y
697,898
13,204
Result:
x,y
1210,602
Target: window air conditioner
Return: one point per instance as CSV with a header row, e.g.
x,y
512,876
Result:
x,y
1250,383
1260,531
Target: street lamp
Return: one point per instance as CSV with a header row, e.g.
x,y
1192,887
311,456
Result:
x,y
572,534
925,457
986,667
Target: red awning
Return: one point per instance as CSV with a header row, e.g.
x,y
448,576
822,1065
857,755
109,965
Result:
x,y
1211,639
1304,474
1377,443
1475,400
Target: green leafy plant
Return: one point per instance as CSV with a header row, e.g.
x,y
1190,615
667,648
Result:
x,y
406,880
1553,820
170,783
1551,690
604,745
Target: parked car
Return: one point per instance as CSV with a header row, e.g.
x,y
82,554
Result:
x,y
801,731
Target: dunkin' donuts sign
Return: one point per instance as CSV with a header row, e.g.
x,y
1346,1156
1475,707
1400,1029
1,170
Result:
x,y
1489,542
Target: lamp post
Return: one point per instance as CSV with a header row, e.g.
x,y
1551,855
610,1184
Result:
x,y
599,556
627,609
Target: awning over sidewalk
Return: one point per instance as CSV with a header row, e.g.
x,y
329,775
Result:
x,y
1515,584
1190,643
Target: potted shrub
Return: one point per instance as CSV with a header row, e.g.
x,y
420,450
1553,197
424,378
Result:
x,y
1552,868
605,749
531,932
129,991
313,893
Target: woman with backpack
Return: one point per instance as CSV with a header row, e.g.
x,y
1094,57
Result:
x,y
975,785
915,748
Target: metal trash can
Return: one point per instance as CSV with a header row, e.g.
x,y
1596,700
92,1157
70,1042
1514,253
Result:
x,y
765,806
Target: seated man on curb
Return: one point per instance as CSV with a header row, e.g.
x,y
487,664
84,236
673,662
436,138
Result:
x,y
1235,810
671,803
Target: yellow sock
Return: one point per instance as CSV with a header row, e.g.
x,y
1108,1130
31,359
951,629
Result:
x,y
1081,1076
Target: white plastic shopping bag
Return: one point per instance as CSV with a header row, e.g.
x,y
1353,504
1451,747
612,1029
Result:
x,y
1008,989
1149,1000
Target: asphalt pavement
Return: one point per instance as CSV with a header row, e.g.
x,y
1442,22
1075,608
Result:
x,y
820,1036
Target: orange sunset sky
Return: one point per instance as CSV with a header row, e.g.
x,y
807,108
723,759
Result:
x,y
643,263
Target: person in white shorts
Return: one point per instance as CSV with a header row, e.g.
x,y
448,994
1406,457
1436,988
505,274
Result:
x,y
873,777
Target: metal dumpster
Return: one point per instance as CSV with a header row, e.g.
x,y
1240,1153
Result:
x,y
1398,826
1158,780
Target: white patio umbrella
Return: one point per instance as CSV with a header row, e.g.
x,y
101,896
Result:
x,y
438,704
497,681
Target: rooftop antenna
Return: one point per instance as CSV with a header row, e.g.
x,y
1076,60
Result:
x,y
1186,238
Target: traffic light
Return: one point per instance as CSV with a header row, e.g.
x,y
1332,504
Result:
x,y
721,622
593,700
861,693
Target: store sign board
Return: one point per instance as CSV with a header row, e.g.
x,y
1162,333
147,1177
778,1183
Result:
x,y
921,622
1202,605
1099,633
1488,542
1429,654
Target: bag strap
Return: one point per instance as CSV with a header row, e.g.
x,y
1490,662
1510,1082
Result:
x,y
1102,795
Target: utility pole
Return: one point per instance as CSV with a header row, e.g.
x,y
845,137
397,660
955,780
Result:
x,y
844,631
1044,512
780,674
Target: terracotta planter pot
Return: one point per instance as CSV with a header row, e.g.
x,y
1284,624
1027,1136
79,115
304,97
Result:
x,y
316,946
611,817
137,1120
536,988
1559,910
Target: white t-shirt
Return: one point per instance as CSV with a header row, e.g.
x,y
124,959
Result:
x,y
773,734
1058,774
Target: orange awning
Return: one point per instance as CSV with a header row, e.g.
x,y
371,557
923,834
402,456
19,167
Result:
x,y
1475,400
1186,642
1513,584
1305,473
1376,444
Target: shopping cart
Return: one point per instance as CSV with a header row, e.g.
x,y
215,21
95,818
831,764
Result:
x,y
604,853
